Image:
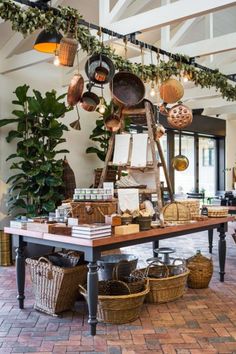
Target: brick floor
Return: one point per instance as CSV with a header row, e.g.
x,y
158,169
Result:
x,y
203,321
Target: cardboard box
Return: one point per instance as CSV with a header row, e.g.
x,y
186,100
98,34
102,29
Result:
x,y
126,229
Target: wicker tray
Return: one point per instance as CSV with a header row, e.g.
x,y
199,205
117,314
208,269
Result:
x,y
55,288
119,309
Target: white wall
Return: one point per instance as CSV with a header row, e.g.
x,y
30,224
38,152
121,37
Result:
x,y
230,143
45,77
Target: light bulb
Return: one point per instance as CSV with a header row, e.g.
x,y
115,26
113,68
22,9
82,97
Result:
x,y
102,108
185,79
56,60
152,92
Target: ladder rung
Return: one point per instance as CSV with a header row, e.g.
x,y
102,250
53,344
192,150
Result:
x,y
134,111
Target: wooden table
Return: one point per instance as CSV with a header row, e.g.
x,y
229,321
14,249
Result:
x,y
93,248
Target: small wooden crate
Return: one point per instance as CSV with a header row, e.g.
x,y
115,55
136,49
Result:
x,y
92,212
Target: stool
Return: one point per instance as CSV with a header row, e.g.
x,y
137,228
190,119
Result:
x,y
166,252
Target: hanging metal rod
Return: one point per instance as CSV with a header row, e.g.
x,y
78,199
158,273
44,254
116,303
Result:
x,y
42,5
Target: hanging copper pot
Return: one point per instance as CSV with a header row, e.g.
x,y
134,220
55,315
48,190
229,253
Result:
x,y
113,122
180,116
180,162
171,91
159,131
127,89
89,101
100,69
75,89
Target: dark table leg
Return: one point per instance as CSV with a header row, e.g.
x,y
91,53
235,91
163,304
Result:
x,y
92,296
210,240
155,245
222,250
20,272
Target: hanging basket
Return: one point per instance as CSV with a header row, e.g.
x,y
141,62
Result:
x,y
67,52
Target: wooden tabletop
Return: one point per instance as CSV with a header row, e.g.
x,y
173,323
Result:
x,y
170,230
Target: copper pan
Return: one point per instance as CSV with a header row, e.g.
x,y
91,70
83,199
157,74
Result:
x,y
89,101
127,89
75,89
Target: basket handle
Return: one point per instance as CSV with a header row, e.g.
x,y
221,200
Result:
x,y
49,273
183,265
82,289
45,260
115,271
157,262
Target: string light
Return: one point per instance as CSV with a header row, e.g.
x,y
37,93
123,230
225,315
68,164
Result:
x,y
102,107
152,91
56,60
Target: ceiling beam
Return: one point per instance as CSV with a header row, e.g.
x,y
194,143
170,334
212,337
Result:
x,y
209,46
136,7
104,11
177,11
182,30
119,10
165,31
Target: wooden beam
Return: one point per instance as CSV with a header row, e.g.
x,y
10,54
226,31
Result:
x,y
209,46
119,10
181,31
177,11
104,12
136,7
165,31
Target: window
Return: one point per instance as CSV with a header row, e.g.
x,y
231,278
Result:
x,y
207,165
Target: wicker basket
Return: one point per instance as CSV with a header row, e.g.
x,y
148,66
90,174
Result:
x,y
67,52
192,204
201,270
176,211
217,212
92,212
165,289
55,288
119,309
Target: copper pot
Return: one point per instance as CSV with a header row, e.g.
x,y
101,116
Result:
x,y
127,89
180,116
180,163
100,69
75,89
89,101
171,91
113,122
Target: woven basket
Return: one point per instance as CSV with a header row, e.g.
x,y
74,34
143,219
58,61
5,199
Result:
x,y
119,309
165,289
176,211
201,270
67,52
92,212
55,288
192,204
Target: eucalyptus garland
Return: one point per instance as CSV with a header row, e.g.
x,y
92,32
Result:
x,y
26,21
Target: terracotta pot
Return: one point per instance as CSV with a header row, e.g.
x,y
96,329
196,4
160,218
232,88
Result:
x,y
89,101
75,89
180,116
127,89
171,91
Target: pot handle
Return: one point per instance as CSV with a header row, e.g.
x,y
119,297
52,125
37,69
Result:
x,y
115,271
157,262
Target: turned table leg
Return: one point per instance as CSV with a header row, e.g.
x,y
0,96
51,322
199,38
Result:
x,y
210,240
20,272
92,296
222,250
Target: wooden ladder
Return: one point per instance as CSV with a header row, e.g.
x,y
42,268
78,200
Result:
x,y
148,112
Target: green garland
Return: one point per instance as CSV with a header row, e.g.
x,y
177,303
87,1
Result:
x,y
31,19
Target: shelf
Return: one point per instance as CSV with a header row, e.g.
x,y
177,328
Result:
x,y
143,168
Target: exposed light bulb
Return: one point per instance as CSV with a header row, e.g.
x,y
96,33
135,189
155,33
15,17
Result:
x,y
152,92
56,60
185,79
102,108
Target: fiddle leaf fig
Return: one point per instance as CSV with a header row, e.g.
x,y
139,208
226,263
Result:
x,y
34,189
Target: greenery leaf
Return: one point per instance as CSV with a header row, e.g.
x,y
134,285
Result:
x,y
4,122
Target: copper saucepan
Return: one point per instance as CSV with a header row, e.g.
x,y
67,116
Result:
x,y
127,89
75,89
89,101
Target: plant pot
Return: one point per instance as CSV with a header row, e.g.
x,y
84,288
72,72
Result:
x,y
144,222
126,220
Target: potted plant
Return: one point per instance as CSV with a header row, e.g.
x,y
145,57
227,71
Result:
x,y
36,185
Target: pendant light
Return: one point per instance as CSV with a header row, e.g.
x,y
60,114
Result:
x,y
48,42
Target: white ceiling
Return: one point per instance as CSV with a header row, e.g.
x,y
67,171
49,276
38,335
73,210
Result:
x,y
200,33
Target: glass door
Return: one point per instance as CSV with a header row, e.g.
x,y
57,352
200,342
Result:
x,y
207,166
185,180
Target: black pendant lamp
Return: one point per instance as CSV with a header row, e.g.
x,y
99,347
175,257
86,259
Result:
x,y
48,42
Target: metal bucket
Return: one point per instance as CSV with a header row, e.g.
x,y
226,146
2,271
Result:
x,y
107,263
5,249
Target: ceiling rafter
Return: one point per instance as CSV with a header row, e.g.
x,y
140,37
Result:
x,y
168,14
209,46
119,9
181,31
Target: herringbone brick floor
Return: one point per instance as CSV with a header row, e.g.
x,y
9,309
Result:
x,y
203,321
